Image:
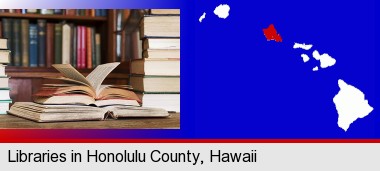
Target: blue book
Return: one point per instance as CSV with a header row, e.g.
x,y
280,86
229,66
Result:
x,y
104,13
33,45
58,11
98,12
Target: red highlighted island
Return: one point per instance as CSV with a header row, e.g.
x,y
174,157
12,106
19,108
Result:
x,y
271,34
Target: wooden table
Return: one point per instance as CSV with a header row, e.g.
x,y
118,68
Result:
x,y
172,122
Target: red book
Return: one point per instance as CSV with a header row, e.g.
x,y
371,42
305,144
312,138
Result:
x,y
79,44
83,45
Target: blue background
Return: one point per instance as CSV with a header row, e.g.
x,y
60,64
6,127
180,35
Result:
x,y
247,87
236,84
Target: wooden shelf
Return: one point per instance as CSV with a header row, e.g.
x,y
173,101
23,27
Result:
x,y
25,81
54,17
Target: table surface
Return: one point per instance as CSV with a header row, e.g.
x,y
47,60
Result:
x,y
171,122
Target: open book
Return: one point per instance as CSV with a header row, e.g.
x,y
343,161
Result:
x,y
57,113
86,90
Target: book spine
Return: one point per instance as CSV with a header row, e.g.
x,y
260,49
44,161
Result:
x,y
46,11
58,11
136,44
41,43
58,43
66,39
50,44
32,11
123,45
33,43
7,31
87,12
77,12
82,12
79,46
16,54
89,47
93,48
83,45
119,18
70,12
98,49
74,46
25,42
92,12
104,12
98,12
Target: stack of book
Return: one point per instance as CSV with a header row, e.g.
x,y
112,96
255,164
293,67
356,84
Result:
x,y
156,76
4,79
76,12
42,44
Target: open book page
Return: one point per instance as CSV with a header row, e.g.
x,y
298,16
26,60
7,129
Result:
x,y
68,80
121,102
97,76
59,91
70,72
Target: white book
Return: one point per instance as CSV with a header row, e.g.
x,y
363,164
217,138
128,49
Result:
x,y
4,94
66,40
4,106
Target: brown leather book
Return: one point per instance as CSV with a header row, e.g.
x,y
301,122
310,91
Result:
x,y
50,44
87,12
92,12
89,47
70,12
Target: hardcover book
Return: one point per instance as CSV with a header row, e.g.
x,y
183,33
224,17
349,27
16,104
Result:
x,y
25,42
155,84
33,45
3,43
16,43
160,26
85,90
41,42
56,113
170,67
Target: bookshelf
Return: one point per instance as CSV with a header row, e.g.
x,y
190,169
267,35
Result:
x,y
25,81
54,17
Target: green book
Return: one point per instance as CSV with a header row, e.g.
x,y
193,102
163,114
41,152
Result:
x,y
58,43
41,44
97,49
